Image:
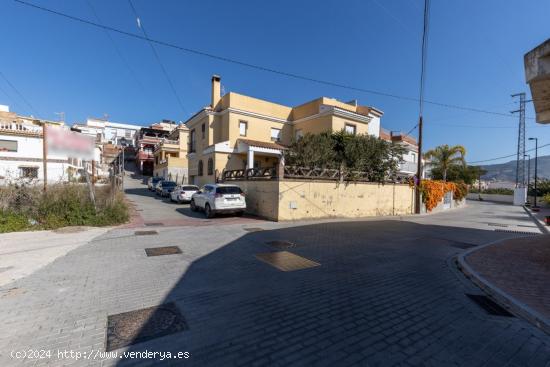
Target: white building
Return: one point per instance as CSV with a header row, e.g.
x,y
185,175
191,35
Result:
x,y
408,167
108,132
21,154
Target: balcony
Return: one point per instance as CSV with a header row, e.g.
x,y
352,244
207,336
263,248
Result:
x,y
14,128
407,167
145,156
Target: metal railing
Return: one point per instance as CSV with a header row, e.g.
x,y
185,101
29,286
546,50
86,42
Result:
x,y
22,128
250,174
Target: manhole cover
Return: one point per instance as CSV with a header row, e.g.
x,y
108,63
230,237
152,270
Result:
x,y
286,261
497,225
158,251
253,229
145,233
490,306
137,326
281,244
151,224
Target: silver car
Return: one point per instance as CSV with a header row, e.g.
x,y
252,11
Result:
x,y
219,198
183,193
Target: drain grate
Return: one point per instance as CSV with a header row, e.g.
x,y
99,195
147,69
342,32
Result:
x,y
518,232
153,224
490,306
145,233
166,250
278,244
253,229
497,225
137,326
286,261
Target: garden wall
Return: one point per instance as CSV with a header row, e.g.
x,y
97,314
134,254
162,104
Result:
x,y
492,197
310,199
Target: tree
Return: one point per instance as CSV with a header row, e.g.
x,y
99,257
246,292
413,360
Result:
x,y
445,157
353,155
459,173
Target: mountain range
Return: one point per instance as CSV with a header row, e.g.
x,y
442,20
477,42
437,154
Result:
x,y
507,171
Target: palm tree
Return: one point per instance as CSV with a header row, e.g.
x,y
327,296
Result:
x,y
443,157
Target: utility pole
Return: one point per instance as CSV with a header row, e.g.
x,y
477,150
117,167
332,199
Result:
x,y
418,182
520,157
45,154
528,173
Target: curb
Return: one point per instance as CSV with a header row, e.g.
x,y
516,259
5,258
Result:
x,y
507,301
543,228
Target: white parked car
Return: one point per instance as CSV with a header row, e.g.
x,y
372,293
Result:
x,y
183,193
219,198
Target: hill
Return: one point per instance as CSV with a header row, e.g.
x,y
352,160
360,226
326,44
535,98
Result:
x,y
507,171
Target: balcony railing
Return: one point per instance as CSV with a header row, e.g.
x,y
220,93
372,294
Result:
x,y
14,127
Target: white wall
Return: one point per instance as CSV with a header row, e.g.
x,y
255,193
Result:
x,y
374,126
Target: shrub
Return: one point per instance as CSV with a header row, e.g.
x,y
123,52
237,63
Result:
x,y
546,198
460,191
433,192
26,207
12,222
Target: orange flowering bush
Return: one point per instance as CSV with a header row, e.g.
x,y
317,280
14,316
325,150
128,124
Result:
x,y
433,192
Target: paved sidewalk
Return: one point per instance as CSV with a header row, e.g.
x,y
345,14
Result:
x,y
518,269
23,253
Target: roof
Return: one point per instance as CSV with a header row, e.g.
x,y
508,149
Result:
x,y
261,144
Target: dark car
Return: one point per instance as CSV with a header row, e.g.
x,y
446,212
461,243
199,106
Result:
x,y
166,187
152,183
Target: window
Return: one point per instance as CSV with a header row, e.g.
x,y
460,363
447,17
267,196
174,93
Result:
x,y
200,168
350,129
128,134
8,145
228,190
203,131
192,143
299,133
243,126
210,166
28,172
275,134
413,157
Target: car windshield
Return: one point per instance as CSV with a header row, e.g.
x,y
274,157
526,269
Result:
x,y
168,183
190,188
228,190
156,179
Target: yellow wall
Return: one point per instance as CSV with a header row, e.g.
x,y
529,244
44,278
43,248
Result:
x,y
318,199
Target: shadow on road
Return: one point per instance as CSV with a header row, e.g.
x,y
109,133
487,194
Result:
x,y
384,289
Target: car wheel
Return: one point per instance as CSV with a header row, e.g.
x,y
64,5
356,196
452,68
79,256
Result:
x,y
208,211
193,206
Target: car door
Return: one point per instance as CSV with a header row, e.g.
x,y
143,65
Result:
x,y
200,197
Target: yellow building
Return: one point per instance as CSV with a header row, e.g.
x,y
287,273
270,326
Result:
x,y
241,132
170,156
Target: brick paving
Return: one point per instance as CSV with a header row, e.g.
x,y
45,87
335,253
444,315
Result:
x,y
519,267
387,293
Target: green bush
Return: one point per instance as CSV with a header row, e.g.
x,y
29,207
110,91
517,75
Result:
x,y
546,198
24,208
12,222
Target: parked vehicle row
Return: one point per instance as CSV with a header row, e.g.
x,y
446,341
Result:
x,y
211,199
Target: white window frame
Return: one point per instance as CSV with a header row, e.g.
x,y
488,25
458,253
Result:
x,y
351,126
277,136
241,124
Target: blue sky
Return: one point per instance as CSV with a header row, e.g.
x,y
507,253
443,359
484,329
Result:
x,y
475,59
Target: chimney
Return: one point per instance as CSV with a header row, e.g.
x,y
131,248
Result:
x,y
215,90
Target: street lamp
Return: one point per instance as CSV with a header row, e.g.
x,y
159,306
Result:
x,y
536,159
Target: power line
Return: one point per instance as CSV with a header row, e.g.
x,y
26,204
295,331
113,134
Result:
x,y
118,51
19,93
263,68
142,28
507,156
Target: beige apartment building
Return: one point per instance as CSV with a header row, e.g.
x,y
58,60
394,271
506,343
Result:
x,y
170,155
240,132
